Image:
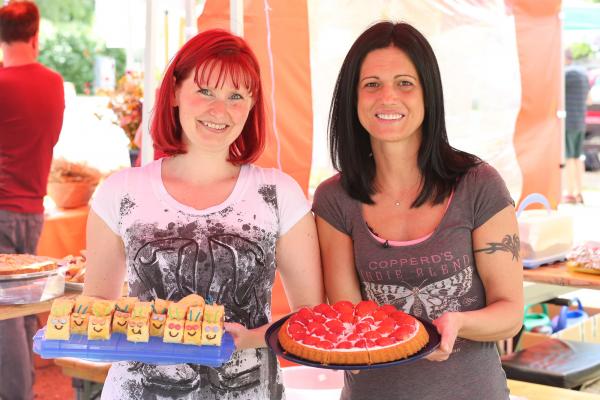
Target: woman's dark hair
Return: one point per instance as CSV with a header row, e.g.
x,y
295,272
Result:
x,y
350,148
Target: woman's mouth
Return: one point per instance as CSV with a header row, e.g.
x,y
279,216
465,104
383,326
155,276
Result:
x,y
389,116
214,126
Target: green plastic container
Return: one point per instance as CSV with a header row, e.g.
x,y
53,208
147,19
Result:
x,y
533,320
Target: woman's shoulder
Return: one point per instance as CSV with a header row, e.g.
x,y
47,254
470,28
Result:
x,y
267,175
331,185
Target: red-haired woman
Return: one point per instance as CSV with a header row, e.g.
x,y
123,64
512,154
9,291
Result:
x,y
205,220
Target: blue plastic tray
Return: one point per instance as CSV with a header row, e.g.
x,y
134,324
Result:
x,y
117,348
531,264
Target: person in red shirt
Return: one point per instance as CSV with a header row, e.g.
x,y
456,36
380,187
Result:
x,y
31,115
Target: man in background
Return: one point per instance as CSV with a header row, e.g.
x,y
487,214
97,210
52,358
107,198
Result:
x,y
31,114
576,92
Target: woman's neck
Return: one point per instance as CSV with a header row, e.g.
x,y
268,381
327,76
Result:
x,y
202,169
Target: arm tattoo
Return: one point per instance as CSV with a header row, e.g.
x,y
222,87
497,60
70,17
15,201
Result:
x,y
509,243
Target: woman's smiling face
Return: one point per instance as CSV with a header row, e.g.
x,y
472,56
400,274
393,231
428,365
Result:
x,y
390,97
212,112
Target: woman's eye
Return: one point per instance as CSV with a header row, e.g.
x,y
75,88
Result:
x,y
405,83
204,91
371,84
236,96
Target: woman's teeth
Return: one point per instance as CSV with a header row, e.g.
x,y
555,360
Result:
x,y
214,126
389,116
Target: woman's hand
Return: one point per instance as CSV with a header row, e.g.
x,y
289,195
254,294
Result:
x,y
448,325
245,338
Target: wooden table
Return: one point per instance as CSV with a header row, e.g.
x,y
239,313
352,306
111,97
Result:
x,y
549,281
557,274
533,391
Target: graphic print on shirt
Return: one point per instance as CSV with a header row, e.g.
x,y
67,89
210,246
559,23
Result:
x,y
219,256
427,300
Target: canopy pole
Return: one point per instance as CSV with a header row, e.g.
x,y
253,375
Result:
x,y
236,11
149,81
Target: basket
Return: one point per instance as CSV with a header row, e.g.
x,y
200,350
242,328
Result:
x,y
70,194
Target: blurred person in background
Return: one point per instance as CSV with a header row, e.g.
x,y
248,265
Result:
x,y
577,88
31,116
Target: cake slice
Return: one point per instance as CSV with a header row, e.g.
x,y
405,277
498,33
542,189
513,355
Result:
x,y
58,325
80,315
158,317
175,323
193,326
138,329
99,327
212,325
122,313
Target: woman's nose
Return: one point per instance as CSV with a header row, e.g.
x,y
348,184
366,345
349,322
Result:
x,y
388,95
217,107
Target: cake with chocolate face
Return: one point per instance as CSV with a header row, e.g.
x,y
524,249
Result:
x,y
346,334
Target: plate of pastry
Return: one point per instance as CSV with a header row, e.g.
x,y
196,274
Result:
x,y
158,332
352,337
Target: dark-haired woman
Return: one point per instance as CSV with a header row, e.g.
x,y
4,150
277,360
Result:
x,y
411,221
205,220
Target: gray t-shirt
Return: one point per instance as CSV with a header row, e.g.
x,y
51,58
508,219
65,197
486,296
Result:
x,y
426,278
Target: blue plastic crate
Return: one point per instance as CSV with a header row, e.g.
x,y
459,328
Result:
x,y
117,348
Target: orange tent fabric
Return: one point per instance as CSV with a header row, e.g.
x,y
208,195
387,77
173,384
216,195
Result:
x,y
538,137
281,43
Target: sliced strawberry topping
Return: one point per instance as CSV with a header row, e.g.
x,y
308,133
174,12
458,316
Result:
x,y
344,345
316,328
347,318
401,317
296,327
325,344
344,307
362,327
388,322
402,333
354,336
385,341
365,307
322,308
360,344
305,313
311,340
319,318
332,337
372,335
298,336
380,315
335,326
388,308
384,330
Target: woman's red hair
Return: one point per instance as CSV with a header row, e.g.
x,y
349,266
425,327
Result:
x,y
213,51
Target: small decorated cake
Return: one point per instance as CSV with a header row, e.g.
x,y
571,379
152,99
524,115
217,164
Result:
x,y
81,314
99,326
122,313
58,326
189,321
346,334
158,317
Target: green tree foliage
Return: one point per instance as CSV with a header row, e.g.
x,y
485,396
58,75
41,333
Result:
x,y
70,47
581,50
66,11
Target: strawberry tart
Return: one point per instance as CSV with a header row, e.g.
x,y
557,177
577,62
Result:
x,y
346,334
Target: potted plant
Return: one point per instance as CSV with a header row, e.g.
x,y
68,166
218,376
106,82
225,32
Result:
x,y
126,103
71,184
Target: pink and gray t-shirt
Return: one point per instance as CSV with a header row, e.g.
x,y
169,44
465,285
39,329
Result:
x,y
426,277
